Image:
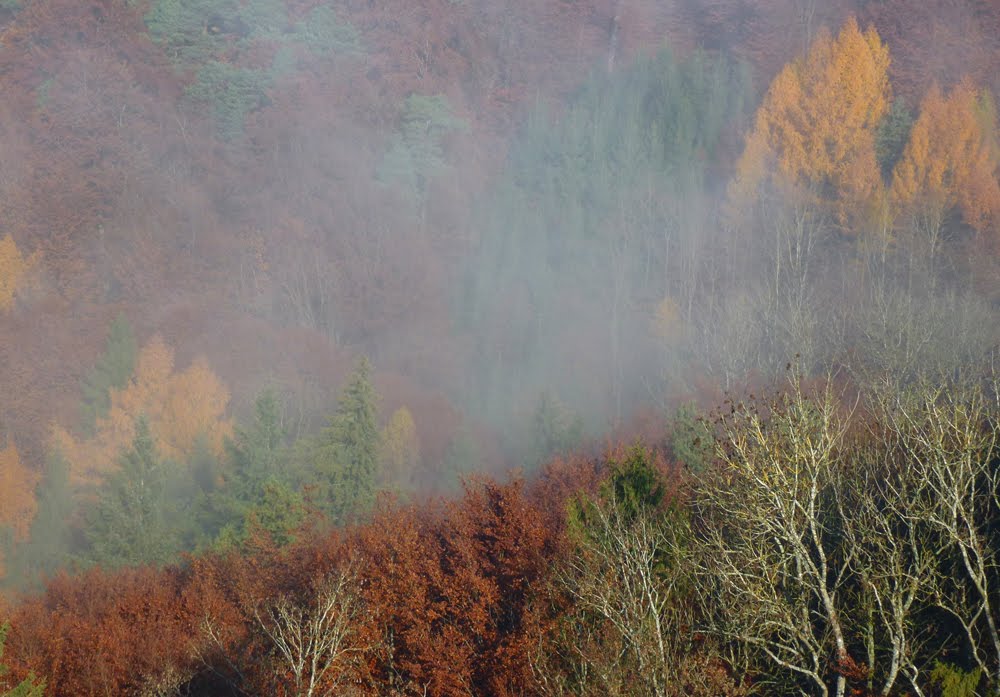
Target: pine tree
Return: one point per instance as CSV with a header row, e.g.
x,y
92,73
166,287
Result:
x,y
185,411
113,370
256,489
130,524
193,410
278,512
892,135
345,455
256,450
950,162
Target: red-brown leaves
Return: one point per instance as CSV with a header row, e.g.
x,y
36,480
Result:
x,y
450,587
938,41
443,600
102,633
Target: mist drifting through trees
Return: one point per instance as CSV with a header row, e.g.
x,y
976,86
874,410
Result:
x,y
616,347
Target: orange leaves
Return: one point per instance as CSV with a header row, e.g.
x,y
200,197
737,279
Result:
x,y
107,633
951,160
814,136
452,587
17,496
14,268
815,131
17,492
449,593
195,405
181,408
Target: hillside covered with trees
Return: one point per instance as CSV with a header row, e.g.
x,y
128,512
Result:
x,y
450,347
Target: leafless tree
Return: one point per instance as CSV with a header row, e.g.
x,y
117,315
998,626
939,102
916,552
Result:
x,y
951,434
314,642
776,572
632,623
894,554
821,534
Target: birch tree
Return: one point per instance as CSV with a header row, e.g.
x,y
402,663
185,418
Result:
x,y
314,642
951,435
771,557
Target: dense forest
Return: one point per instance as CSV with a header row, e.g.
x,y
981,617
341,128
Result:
x,y
496,347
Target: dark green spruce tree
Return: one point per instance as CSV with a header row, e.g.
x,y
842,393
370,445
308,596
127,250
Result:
x,y
131,522
113,369
345,455
258,490
256,452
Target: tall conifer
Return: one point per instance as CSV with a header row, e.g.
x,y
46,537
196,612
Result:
x,y
346,453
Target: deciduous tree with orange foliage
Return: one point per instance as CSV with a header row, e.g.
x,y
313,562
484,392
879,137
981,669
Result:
x,y
814,134
17,498
181,408
450,591
128,632
438,599
950,164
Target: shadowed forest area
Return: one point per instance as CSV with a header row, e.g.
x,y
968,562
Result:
x,y
493,347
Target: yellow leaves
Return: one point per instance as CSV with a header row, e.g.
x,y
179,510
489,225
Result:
x,y
400,448
17,497
950,160
13,271
179,407
17,493
195,405
814,134
147,390
813,142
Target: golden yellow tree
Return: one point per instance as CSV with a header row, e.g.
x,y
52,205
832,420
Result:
x,y
14,268
400,449
195,406
950,163
91,459
814,134
179,407
17,496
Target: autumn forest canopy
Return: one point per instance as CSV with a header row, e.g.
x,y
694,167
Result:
x,y
496,347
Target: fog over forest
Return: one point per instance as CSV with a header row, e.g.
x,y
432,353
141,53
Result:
x,y
308,307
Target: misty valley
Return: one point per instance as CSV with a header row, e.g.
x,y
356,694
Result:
x,y
496,347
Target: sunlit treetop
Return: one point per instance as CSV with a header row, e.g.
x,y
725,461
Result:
x,y
951,160
815,131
